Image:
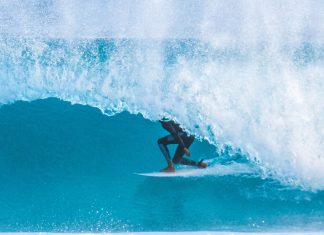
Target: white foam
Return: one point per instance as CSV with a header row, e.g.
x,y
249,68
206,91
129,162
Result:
x,y
221,22
243,84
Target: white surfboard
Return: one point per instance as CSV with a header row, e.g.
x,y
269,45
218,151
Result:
x,y
212,170
178,173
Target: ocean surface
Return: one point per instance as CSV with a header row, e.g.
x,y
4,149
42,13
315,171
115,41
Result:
x,y
84,83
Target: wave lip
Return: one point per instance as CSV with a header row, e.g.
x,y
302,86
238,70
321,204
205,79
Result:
x,y
267,103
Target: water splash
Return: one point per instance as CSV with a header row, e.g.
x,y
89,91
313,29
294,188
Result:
x,y
250,76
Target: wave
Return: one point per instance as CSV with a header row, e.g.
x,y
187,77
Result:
x,y
76,167
268,107
258,88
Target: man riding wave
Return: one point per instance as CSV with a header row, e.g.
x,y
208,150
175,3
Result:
x,y
180,137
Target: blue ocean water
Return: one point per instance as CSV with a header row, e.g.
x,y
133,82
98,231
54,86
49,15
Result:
x,y
84,83
69,168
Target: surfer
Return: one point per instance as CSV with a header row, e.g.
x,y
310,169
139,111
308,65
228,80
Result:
x,y
180,137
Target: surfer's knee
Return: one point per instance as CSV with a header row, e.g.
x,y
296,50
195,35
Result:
x,y
161,141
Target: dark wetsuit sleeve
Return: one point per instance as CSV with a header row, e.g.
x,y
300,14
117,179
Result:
x,y
169,127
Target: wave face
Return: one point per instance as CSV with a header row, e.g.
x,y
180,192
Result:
x,y
270,106
69,168
235,74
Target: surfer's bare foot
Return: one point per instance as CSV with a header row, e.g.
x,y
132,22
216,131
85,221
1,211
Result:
x,y
202,165
168,169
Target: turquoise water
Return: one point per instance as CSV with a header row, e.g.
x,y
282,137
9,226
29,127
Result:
x,y
69,168
84,83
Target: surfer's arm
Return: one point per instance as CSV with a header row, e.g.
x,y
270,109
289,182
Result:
x,y
177,136
169,127
187,152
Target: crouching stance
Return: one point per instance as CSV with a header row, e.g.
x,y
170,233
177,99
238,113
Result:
x,y
180,137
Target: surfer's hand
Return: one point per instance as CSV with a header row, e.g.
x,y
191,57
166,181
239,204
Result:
x,y
187,152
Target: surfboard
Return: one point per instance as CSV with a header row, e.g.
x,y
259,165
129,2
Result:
x,y
211,170
178,173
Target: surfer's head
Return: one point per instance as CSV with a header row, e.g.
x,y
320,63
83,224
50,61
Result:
x,y
165,119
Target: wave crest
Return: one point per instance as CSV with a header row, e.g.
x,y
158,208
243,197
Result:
x,y
267,104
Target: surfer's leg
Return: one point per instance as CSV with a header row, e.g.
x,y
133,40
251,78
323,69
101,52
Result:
x,y
178,156
188,140
163,142
179,159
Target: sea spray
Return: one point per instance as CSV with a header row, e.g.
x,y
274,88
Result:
x,y
235,73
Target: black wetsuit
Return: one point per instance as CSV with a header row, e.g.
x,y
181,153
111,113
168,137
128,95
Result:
x,y
178,136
